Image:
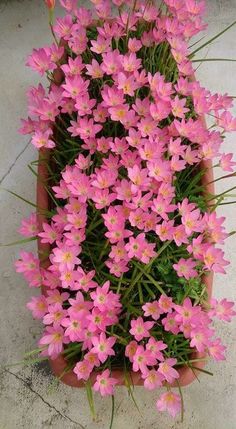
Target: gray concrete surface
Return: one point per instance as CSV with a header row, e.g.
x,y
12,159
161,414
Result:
x,y
29,398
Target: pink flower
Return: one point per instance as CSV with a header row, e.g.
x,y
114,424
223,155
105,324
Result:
x,y
214,259
74,326
160,110
192,222
29,266
119,112
185,268
165,230
131,349
29,226
200,338
48,110
53,338
63,27
152,379
185,206
223,309
97,320
66,257
79,305
104,299
186,311
196,247
170,402
142,359
55,296
156,347
118,252
127,84
111,62
176,147
117,268
112,96
83,370
84,104
170,323
140,329
40,61
162,207
74,86
104,178
94,70
69,5
85,280
148,253
100,45
134,45
87,129
131,63
166,369
92,359
179,235
178,107
165,304
227,122
138,247
38,305
217,350
152,309
226,162
42,139
177,164
49,234
84,16
102,346
159,87
139,177
74,66
105,383
54,315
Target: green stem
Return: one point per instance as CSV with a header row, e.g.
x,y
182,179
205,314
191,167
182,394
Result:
x,y
201,60
112,411
220,195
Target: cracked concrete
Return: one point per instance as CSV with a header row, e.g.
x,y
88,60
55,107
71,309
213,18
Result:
x,y
30,397
28,384
14,163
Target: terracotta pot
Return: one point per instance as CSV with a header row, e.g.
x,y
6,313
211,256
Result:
x,y
58,365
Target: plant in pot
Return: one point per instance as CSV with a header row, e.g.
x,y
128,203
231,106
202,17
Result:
x,y
126,223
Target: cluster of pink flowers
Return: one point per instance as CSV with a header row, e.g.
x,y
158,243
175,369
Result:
x,y
152,138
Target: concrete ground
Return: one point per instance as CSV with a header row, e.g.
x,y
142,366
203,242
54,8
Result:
x,y
29,398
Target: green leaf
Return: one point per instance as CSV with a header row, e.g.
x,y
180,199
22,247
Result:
x,y
32,170
182,401
24,240
129,386
21,198
212,39
201,370
90,398
26,362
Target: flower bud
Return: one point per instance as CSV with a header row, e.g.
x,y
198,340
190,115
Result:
x,y
50,4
